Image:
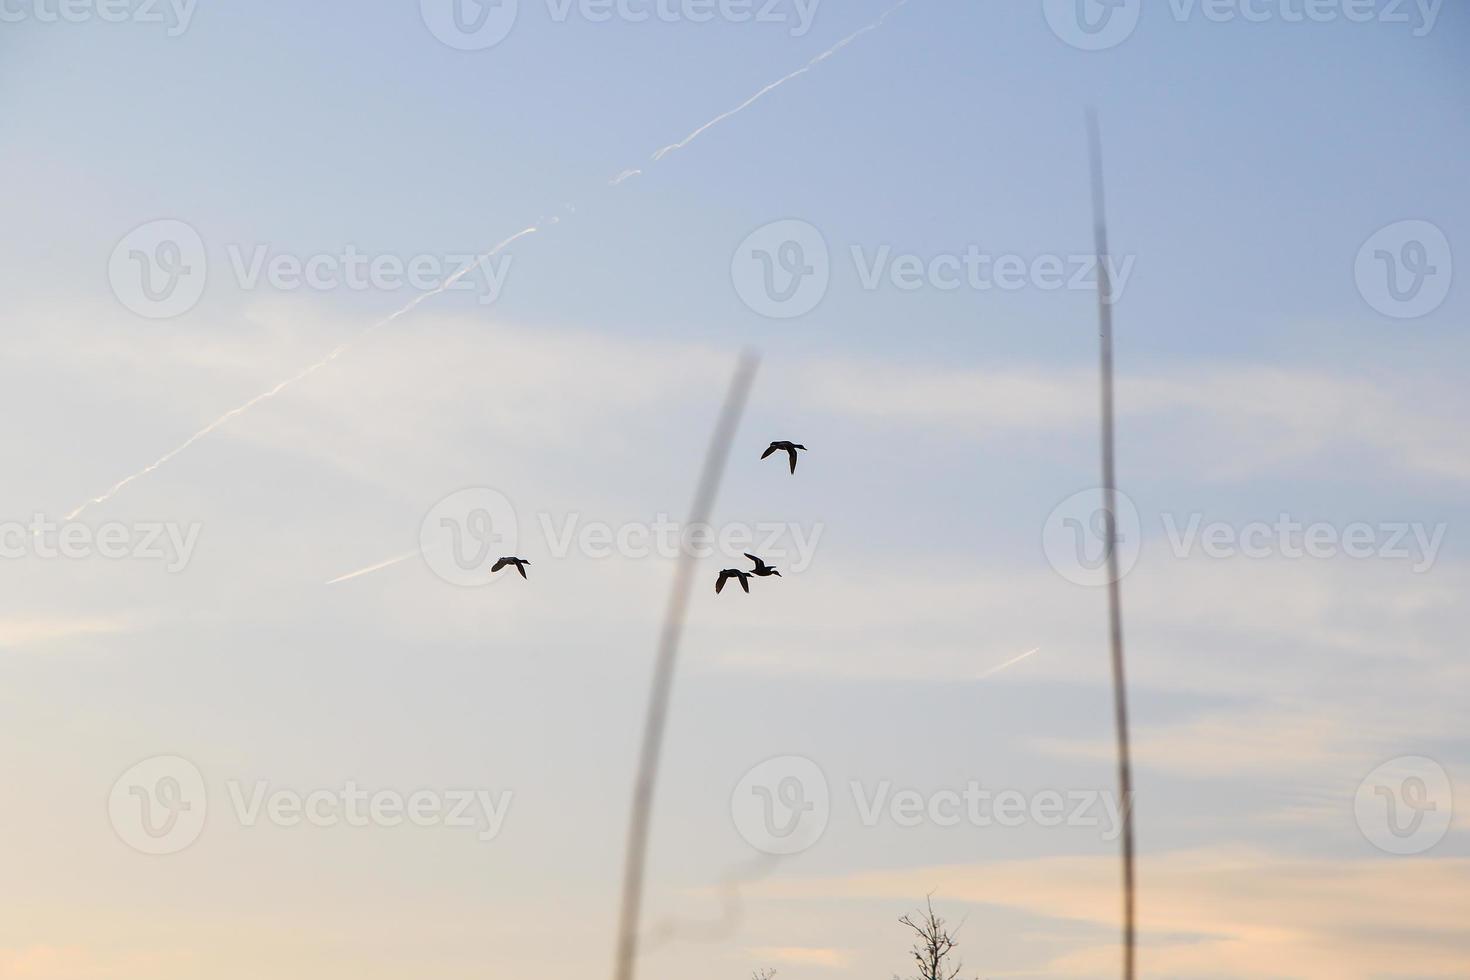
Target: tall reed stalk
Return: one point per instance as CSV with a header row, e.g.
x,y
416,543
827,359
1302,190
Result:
x,y
635,862
1110,509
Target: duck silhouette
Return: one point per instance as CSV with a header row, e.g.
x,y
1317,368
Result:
x,y
519,563
789,447
761,569
730,573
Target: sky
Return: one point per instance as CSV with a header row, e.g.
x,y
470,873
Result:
x,y
264,710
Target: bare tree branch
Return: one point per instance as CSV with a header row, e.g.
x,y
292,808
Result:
x,y
934,944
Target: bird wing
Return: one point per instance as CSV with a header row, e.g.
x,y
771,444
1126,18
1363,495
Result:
x,y
758,562
793,459
773,448
499,564
720,582
521,567
745,583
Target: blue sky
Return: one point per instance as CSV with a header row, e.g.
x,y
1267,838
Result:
x,y
1248,164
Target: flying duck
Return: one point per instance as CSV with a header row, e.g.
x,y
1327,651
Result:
x,y
519,563
730,573
789,447
761,569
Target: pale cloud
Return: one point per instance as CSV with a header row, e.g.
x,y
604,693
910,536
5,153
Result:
x,y
1253,740
1326,613
38,632
1239,419
443,402
984,401
406,402
43,962
436,385
1322,666
801,955
1214,912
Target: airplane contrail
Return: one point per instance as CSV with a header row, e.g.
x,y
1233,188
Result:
x,y
343,347
779,82
373,568
1009,663
305,372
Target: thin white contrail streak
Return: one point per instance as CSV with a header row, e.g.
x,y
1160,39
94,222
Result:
x,y
635,172
373,568
342,348
305,372
1009,663
779,82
